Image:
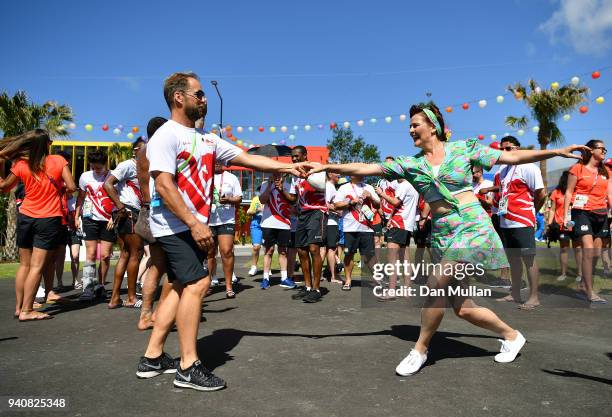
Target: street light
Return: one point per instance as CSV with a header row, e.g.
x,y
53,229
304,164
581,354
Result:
x,y
214,83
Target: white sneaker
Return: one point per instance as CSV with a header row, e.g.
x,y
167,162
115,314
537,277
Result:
x,y
40,293
578,278
561,277
411,364
510,348
253,271
234,278
214,282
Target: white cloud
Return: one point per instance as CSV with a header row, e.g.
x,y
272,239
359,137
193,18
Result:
x,y
585,24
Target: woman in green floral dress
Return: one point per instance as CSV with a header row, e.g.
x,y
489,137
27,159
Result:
x,y
462,232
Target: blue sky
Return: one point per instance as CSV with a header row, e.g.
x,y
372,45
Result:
x,y
296,63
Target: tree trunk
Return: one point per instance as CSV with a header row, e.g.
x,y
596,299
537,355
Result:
x,y
543,146
10,252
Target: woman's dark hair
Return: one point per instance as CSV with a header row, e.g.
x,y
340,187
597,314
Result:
x,y
96,156
510,139
586,157
138,142
562,185
32,146
418,108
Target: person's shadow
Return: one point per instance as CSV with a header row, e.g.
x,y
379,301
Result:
x,y
216,347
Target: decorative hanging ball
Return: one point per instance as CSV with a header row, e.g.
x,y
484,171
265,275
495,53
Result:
x,y
130,136
261,129
494,145
465,106
388,119
284,129
566,117
402,117
346,125
116,131
493,137
600,100
250,128
499,99
575,81
135,129
554,85
72,126
333,125
608,162
373,120
105,127
296,128
272,129
320,127
239,142
307,128
482,104
239,129
282,142
520,132
291,137
583,109
214,126
535,129
449,109
595,75
518,95
480,137
360,123
88,127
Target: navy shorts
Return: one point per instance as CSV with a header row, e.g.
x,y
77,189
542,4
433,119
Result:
x,y
184,259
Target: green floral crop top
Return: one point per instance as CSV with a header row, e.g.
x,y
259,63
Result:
x,y
455,172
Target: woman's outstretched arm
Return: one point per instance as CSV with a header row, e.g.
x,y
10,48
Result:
x,y
355,168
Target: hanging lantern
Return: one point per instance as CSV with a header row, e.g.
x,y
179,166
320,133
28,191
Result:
x,y
499,99
346,125
71,126
88,127
373,120
575,81
402,117
360,123
116,131
554,85
482,104
449,109
105,127
493,137
388,119
261,129
520,132
494,145
307,128
535,129
250,128
272,129
239,129
284,129
595,75
480,137
130,136
296,127
332,125
600,100
465,106
583,109
566,117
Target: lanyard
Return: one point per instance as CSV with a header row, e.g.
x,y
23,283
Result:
x,y
506,185
355,190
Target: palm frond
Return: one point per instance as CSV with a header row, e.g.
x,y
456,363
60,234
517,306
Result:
x,y
517,122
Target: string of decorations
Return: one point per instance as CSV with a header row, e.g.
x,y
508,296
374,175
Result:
x,y
289,132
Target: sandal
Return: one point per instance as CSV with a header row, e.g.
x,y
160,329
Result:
x,y
598,300
346,287
528,307
116,306
230,294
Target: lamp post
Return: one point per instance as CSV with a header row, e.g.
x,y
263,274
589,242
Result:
x,y
214,83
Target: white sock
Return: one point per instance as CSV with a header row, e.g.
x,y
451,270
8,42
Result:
x,y
308,289
283,275
266,275
89,274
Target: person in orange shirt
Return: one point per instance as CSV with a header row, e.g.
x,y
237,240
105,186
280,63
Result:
x,y
556,227
589,191
40,215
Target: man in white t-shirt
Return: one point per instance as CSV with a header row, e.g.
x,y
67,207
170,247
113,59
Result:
x,y
332,234
359,202
522,194
276,227
181,163
227,194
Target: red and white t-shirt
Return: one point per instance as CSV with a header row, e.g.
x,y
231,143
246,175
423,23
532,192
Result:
x,y
97,204
128,187
309,198
277,211
476,188
170,150
404,217
519,183
353,220
227,184
388,187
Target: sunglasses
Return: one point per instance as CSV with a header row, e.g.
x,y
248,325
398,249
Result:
x,y
200,95
509,148
602,149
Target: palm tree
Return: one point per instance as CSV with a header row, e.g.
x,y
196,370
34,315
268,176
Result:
x,y
118,153
19,115
546,106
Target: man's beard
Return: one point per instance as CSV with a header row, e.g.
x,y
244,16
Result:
x,y
194,113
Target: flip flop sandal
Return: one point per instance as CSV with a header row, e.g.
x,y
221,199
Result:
x,y
599,300
346,288
230,294
528,307
116,306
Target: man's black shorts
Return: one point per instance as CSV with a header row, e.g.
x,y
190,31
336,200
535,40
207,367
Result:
x,y
310,228
126,225
362,241
96,230
184,259
378,229
223,229
519,238
589,223
332,236
422,237
280,237
74,238
399,236
42,233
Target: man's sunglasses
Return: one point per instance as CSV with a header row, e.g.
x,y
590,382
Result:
x,y
509,148
200,95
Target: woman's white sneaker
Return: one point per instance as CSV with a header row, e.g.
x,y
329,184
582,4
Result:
x,y
253,271
411,364
510,348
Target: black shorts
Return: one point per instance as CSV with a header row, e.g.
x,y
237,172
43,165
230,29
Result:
x,y
422,237
126,225
291,243
184,259
280,237
378,229
332,236
74,238
96,230
399,236
362,241
496,226
42,233
522,238
310,228
589,223
223,229
566,236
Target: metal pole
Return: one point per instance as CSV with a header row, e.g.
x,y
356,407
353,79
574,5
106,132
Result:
x,y
214,83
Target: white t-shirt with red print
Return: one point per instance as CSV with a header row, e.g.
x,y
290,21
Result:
x,y
404,217
309,198
97,204
353,220
189,155
277,211
388,187
127,186
519,183
227,184
330,194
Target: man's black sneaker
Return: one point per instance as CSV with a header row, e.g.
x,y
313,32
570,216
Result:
x,y
339,268
148,368
138,289
303,292
198,377
312,297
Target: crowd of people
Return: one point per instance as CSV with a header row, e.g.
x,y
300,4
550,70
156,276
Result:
x,y
171,208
